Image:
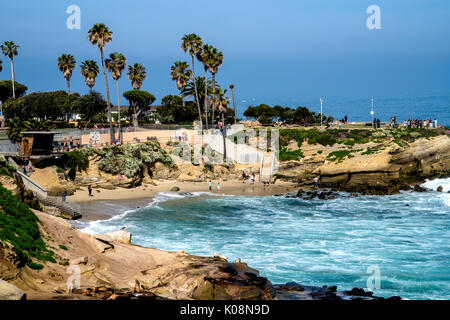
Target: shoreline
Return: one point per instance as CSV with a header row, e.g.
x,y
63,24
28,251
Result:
x,y
97,207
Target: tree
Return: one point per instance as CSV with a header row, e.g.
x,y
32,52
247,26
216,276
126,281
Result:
x,y
139,101
136,74
89,106
100,35
116,64
234,102
6,90
89,71
172,110
17,125
216,60
205,57
180,73
192,43
222,105
9,49
66,64
41,105
199,83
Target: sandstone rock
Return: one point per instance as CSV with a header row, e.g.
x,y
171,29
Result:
x,y
103,237
120,236
11,292
81,260
175,189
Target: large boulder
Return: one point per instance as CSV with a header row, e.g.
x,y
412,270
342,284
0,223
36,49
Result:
x,y
11,292
120,236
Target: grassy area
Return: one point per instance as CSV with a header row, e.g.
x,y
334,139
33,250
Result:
x,y
286,155
19,227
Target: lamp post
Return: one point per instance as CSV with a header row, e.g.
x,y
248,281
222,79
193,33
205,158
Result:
x,y
321,113
371,111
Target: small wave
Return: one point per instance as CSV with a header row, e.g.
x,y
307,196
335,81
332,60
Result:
x,y
434,184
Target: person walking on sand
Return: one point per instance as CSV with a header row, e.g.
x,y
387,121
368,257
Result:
x,y
316,182
210,185
218,186
90,191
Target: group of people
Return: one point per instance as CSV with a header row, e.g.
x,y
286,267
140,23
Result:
x,y
251,178
70,144
419,123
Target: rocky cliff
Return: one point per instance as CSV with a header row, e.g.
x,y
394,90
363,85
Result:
x,y
373,168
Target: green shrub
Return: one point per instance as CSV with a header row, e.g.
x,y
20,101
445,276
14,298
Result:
x,y
63,247
339,155
35,266
290,155
19,227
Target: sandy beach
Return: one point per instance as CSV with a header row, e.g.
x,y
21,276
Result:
x,y
100,205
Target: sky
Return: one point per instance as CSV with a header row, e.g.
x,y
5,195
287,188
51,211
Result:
x,y
279,52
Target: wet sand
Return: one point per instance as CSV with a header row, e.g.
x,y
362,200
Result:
x,y
108,203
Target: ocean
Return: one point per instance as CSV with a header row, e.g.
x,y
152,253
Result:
x,y
405,237
358,109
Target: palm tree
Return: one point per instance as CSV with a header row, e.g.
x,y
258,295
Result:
x,y
181,74
189,90
100,35
193,43
9,49
205,56
216,61
116,64
234,102
66,64
221,101
136,74
89,71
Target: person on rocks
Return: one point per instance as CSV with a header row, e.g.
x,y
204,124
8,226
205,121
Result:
x,y
316,182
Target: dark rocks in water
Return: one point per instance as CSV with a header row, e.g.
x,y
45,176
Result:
x,y
418,188
405,187
358,292
175,189
299,193
187,194
439,189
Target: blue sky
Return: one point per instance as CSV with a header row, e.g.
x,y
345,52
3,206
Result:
x,y
274,51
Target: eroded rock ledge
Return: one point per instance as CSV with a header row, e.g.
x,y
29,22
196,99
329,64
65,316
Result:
x,y
112,268
387,171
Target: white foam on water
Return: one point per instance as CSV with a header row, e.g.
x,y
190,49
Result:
x,y
434,184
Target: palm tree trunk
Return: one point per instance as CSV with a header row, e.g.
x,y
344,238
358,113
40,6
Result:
x,y
196,94
118,110
224,134
68,85
205,101
212,105
234,104
182,100
111,133
13,77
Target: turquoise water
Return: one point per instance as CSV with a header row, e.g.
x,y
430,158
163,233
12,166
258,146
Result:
x,y
311,242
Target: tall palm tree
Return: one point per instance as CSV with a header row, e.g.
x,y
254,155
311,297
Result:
x,y
180,73
66,64
192,43
216,61
206,58
100,35
116,64
136,74
234,102
9,49
89,71
221,102
189,90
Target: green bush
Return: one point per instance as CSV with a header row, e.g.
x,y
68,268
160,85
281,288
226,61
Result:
x,y
63,247
35,266
290,155
19,227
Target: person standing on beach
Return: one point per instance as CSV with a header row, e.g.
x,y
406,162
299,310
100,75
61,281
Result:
x,y
218,186
90,190
63,196
210,185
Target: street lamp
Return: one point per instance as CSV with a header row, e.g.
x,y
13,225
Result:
x,y
321,113
371,110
